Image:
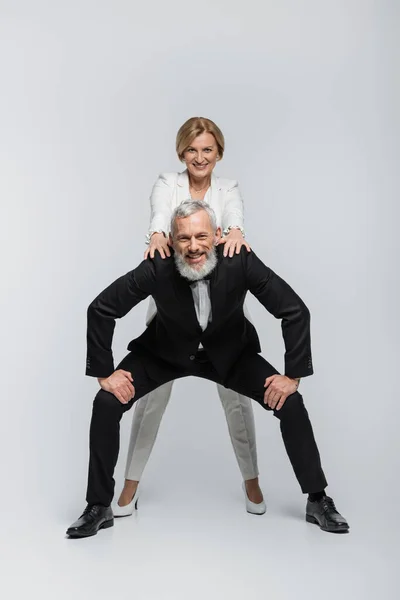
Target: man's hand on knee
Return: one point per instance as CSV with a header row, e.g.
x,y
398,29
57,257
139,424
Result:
x,y
278,389
119,384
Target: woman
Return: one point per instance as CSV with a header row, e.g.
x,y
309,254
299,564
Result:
x,y
199,144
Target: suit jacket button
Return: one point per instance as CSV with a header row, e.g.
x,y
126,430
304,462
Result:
x,y
192,357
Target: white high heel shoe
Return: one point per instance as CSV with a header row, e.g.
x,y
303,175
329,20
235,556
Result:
x,y
127,510
252,507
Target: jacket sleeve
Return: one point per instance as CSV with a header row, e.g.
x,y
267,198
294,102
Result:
x,y
161,205
113,303
232,215
282,302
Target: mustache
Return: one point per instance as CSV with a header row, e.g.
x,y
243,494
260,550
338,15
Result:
x,y
198,253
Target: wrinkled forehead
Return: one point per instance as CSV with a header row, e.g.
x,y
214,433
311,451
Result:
x,y
193,224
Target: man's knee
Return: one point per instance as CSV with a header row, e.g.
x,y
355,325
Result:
x,y
106,402
292,407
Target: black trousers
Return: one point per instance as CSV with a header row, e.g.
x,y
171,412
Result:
x,y
247,378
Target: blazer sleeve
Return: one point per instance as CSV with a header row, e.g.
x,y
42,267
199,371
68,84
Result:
x,y
282,302
161,204
113,303
232,215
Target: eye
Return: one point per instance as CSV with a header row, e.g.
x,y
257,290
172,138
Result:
x,y
208,150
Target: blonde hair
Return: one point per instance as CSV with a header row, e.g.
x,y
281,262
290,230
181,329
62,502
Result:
x,y
194,127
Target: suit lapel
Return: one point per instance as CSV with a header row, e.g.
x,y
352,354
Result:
x,y
217,293
184,300
214,197
183,192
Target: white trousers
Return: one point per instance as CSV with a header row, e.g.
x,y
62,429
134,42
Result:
x,y
147,417
149,411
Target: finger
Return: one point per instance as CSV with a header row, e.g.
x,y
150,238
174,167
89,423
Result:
x,y
226,248
130,388
278,400
121,394
247,246
161,251
146,253
232,249
272,399
269,380
221,241
127,374
270,394
152,250
127,392
281,402
238,247
119,397
167,251
267,397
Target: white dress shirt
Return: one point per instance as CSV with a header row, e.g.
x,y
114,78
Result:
x,y
202,302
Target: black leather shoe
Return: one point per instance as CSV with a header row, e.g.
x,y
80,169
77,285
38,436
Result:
x,y
93,518
323,513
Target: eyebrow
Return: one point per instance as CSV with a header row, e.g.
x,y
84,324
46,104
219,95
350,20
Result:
x,y
182,235
205,147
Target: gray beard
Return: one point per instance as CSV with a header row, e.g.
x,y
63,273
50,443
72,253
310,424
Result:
x,y
192,273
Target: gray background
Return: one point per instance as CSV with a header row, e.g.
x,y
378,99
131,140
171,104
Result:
x,y
92,96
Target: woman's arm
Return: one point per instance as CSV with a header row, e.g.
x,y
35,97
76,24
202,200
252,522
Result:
x,y
161,206
232,221
233,209
160,219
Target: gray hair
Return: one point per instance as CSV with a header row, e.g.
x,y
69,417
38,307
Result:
x,y
190,207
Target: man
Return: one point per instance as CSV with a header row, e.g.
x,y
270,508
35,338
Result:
x,y
200,329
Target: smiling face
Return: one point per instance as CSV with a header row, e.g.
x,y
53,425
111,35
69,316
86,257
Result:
x,y
194,240
201,156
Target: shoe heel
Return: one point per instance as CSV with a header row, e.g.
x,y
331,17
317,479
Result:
x,y
311,519
107,524
136,503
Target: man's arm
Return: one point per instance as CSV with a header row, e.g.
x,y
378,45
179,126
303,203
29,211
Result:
x,y
282,302
113,303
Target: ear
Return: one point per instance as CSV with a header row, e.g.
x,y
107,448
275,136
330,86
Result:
x,y
170,242
218,235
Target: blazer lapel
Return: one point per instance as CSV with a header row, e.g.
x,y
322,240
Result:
x,y
183,192
184,300
217,296
215,198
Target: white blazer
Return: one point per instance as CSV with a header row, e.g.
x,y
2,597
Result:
x,y
171,189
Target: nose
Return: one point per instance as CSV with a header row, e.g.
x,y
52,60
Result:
x,y
199,157
193,245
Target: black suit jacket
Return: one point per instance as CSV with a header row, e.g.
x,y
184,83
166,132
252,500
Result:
x,y
174,334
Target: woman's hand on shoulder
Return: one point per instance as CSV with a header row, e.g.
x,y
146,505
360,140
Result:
x,y
159,242
233,241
